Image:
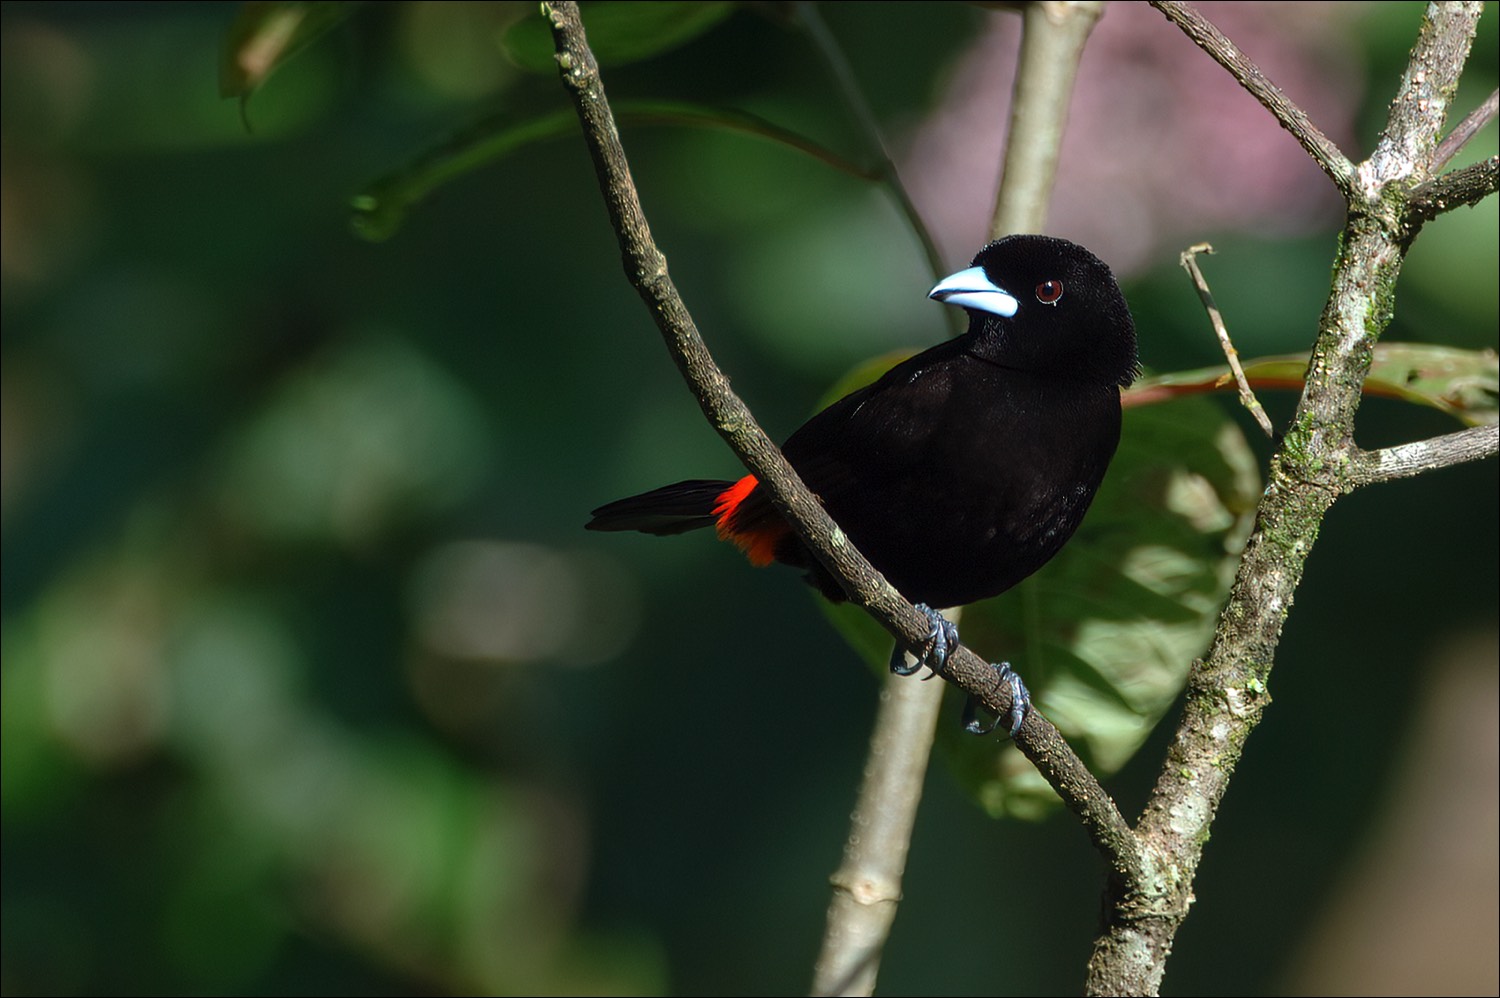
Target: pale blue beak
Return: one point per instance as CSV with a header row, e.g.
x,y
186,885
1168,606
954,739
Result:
x,y
973,289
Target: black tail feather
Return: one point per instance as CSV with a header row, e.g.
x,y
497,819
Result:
x,y
671,509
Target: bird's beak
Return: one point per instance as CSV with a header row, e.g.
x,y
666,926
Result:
x,y
972,289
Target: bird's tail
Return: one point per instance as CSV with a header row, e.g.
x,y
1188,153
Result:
x,y
738,510
671,509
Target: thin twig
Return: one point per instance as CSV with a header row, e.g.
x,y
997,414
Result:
x,y
1189,260
1465,130
1320,147
1406,460
849,90
867,884
646,268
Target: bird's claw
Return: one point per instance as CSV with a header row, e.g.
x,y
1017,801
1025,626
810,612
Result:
x,y
942,638
1020,704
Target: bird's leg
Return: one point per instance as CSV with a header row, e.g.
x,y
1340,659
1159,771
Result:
x,y
1020,703
942,638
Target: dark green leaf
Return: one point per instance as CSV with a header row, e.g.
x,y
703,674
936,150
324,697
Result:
x,y
619,32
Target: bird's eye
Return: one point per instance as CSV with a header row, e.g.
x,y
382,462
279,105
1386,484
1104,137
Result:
x,y
1049,292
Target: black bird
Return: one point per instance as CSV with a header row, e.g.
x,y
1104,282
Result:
x,y
964,469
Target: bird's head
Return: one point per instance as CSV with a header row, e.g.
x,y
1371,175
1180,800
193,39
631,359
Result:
x,y
1043,304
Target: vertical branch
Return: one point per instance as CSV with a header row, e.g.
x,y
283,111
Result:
x,y
1409,142
1317,462
867,884
1052,38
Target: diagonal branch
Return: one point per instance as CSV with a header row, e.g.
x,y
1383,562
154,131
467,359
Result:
x,y
1215,317
1210,39
646,268
1465,130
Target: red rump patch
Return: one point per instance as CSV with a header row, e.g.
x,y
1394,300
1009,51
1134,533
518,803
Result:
x,y
758,541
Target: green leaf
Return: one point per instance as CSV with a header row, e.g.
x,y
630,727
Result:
x,y
620,32
380,209
1105,633
1463,383
266,33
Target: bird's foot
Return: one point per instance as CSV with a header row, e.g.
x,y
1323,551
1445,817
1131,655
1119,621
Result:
x,y
942,638
1020,704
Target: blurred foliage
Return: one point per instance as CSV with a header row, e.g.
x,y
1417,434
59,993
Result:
x,y
266,34
312,683
380,209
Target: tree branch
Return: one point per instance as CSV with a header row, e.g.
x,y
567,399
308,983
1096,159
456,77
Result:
x,y
1228,691
1407,460
646,268
1455,140
1463,187
1408,145
867,885
1151,875
1052,38
1207,37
